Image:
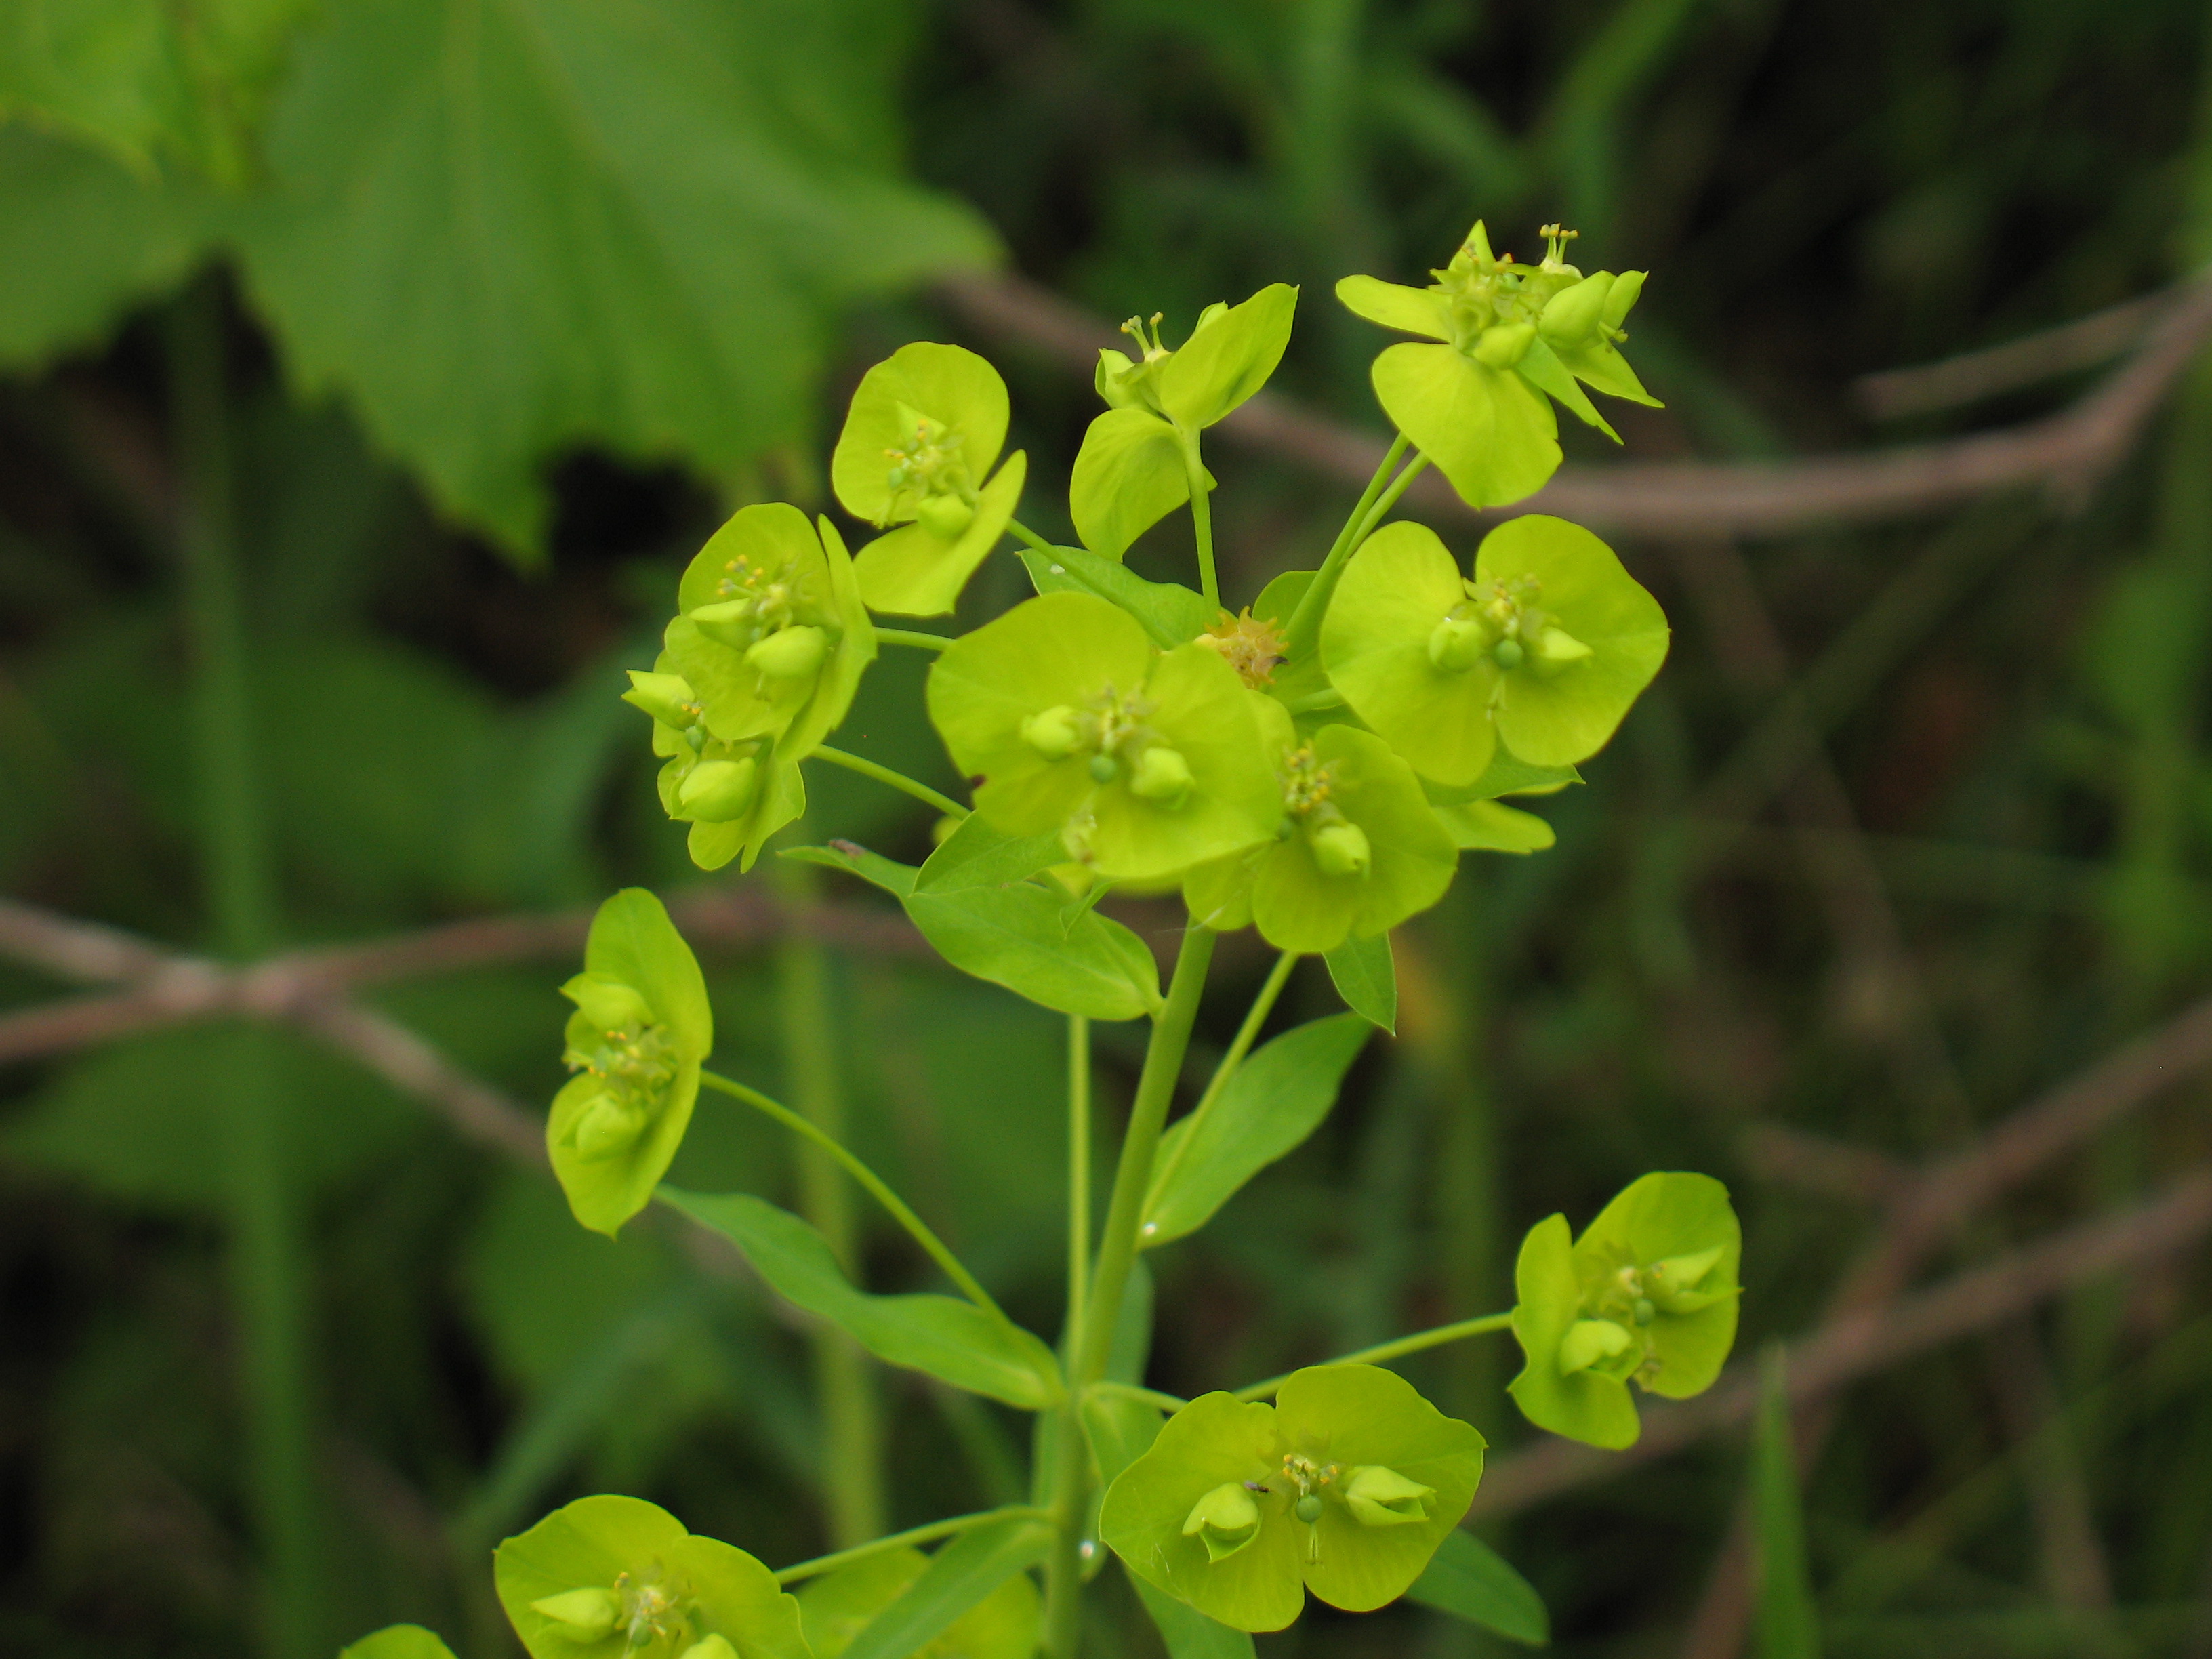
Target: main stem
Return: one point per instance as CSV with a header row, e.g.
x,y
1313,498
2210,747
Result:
x,y
1202,516
1078,1171
1102,1310
1303,631
852,1418
267,1285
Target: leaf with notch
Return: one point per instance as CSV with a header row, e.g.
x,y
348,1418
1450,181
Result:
x,y
1273,1101
1170,613
954,1341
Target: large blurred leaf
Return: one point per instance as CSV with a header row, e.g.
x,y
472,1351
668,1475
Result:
x,y
80,241
507,226
1469,1580
180,78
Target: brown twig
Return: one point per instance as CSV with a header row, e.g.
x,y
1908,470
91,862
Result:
x,y
2068,452
1971,375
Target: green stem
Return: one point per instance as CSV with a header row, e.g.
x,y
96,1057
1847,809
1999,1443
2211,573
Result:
x,y
1078,1169
851,1414
1304,629
1263,1005
1028,537
268,1279
1166,1402
898,781
908,636
896,1206
1394,1349
1201,515
1117,1253
822,1564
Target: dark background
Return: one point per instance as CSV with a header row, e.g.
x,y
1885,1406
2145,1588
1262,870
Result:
x,y
1913,828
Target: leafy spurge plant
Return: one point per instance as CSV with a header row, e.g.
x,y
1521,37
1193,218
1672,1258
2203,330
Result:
x,y
1310,764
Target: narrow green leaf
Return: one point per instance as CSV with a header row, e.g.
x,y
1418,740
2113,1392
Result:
x,y
1469,1580
1788,1619
1170,613
1275,1100
1014,936
1490,826
960,1576
857,860
1367,979
1188,1633
954,1341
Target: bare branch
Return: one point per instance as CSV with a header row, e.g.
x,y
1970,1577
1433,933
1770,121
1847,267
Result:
x,y
2082,343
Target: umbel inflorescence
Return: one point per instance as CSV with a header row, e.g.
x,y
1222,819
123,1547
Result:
x,y
1310,763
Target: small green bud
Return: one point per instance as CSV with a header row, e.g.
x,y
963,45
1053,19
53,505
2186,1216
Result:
x,y
608,1004
608,1125
719,791
1163,776
667,697
944,516
1573,316
1455,644
712,1647
1626,288
1378,1497
1055,733
1674,1283
793,654
1104,768
1643,1310
1308,1509
1341,850
584,1615
696,738
1556,648
1589,1340
1505,344
1226,1519
1509,653
726,621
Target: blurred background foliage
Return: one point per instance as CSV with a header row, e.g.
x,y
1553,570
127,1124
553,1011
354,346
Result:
x,y
485,310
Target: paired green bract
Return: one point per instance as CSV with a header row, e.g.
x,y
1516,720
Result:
x,y
1648,1294
1512,335
1145,761
1544,649
640,1033
620,1578
1345,1486
1136,462
1358,850
918,443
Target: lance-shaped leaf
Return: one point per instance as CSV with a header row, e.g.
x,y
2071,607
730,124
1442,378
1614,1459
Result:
x,y
1469,1580
1272,1101
839,1605
1366,977
614,1577
502,229
954,1341
642,1029
960,1582
1019,937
